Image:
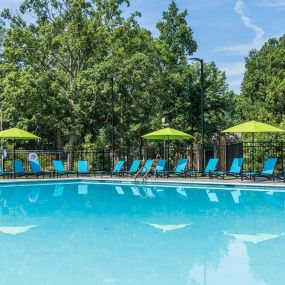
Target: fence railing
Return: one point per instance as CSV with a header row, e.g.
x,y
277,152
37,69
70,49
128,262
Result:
x,y
254,154
102,159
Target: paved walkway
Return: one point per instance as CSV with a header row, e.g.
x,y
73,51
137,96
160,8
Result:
x,y
204,180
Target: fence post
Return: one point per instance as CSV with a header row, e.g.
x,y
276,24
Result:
x,y
103,159
128,155
192,155
141,148
282,156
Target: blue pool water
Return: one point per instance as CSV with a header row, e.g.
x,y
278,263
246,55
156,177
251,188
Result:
x,y
84,232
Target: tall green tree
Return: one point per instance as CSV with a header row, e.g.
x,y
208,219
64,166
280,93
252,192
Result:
x,y
263,88
65,41
180,81
176,34
57,73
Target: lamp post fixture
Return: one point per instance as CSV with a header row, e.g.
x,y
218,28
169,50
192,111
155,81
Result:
x,y
201,61
164,121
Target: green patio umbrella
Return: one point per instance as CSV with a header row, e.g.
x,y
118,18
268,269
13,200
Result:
x,y
253,127
17,134
167,134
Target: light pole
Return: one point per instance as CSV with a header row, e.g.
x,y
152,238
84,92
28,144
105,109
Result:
x,y
1,129
200,60
1,119
113,127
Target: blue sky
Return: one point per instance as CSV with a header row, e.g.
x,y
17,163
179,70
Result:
x,y
225,30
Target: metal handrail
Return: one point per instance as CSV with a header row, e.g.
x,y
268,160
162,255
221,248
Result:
x,y
146,174
139,172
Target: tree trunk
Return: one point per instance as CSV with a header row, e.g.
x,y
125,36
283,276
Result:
x,y
70,157
59,140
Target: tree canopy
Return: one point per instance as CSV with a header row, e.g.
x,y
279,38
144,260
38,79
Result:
x,y
57,71
263,87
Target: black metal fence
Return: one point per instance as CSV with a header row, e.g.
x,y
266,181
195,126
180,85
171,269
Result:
x,y
98,159
254,155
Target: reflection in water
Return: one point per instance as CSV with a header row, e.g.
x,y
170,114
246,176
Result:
x,y
97,234
256,238
166,228
231,269
16,230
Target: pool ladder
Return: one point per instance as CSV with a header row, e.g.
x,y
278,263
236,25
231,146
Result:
x,y
140,171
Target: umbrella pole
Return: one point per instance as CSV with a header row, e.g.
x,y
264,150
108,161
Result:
x,y
168,153
164,149
14,149
2,146
253,152
146,152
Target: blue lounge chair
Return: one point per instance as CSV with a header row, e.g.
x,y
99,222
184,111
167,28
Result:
x,y
133,169
4,173
82,167
159,167
19,169
210,168
235,169
118,168
59,169
37,170
145,169
267,171
180,169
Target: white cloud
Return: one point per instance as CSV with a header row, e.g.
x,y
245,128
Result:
x,y
244,48
235,84
234,72
239,49
233,69
272,3
239,8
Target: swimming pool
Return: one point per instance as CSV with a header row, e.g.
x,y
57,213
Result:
x,y
125,233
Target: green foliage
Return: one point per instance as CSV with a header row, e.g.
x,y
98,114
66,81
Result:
x,y
263,87
56,74
176,34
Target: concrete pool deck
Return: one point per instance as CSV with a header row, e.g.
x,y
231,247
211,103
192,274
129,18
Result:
x,y
205,180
